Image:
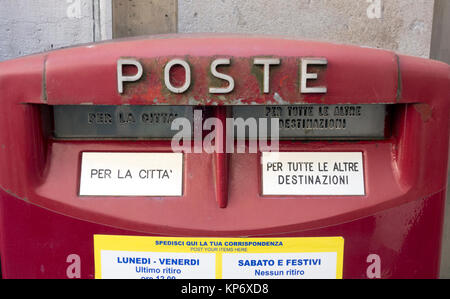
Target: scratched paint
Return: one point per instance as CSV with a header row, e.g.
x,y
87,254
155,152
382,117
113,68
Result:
x,y
248,77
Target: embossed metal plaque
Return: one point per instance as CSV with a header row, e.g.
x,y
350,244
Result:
x,y
316,121
249,122
118,121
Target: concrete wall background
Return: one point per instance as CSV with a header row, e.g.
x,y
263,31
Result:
x,y
32,26
400,25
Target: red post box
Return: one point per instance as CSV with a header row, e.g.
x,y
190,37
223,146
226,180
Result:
x,y
117,161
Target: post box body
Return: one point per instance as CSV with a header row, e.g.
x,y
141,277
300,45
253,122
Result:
x,y
392,230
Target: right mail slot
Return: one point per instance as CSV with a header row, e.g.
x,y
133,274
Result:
x,y
319,121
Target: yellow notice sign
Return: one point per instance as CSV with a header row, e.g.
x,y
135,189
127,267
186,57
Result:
x,y
207,258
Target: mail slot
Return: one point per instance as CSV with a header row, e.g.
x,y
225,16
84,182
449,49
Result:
x,y
238,157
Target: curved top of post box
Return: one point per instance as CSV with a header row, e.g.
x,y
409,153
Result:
x,y
88,74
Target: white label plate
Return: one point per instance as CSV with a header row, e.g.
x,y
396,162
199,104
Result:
x,y
157,265
312,173
317,265
131,174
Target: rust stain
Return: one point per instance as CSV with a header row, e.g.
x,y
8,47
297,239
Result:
x,y
425,111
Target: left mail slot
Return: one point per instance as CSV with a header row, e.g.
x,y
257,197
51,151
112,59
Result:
x,y
111,122
131,174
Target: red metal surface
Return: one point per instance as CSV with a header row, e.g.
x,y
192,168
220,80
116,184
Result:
x,y
221,159
405,175
407,238
97,63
